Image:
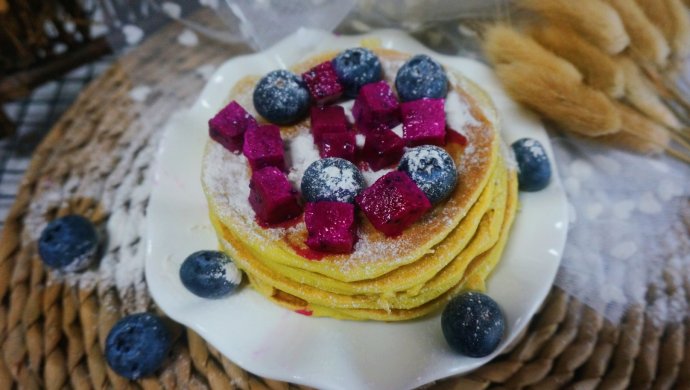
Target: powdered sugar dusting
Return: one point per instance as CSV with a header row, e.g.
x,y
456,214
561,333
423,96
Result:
x,y
370,176
398,130
338,179
420,159
347,107
302,153
458,113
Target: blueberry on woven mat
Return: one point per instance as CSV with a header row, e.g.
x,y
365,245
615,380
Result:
x,y
68,243
137,345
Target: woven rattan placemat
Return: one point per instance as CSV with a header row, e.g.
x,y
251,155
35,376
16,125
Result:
x,y
96,162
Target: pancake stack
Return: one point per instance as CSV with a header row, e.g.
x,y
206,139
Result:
x,y
454,247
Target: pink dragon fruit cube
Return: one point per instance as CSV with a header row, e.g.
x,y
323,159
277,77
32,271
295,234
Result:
x,y
375,108
322,83
382,149
263,147
227,127
341,145
424,122
393,203
272,197
325,120
330,226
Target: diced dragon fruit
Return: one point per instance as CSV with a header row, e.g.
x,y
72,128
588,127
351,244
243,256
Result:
x,y
325,120
263,147
424,122
382,149
393,203
341,145
330,226
272,197
376,108
322,83
227,127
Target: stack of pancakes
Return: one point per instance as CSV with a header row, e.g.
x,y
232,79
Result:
x,y
452,248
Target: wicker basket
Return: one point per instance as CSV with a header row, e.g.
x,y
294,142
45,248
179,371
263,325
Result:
x,y
42,39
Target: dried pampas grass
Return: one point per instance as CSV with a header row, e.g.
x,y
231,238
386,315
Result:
x,y
599,70
647,42
595,20
504,45
642,96
571,104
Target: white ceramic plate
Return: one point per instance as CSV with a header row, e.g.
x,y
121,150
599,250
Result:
x,y
276,343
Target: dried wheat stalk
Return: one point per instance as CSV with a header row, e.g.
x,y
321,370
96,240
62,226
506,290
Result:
x,y
594,20
599,70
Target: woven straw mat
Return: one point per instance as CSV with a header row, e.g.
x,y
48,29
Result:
x,y
96,161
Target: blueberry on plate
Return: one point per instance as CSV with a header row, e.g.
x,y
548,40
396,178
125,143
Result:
x,y
281,97
533,164
421,77
210,274
432,169
137,345
68,243
331,179
473,324
356,67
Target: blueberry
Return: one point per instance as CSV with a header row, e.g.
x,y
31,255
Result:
x,y
68,243
137,345
356,67
421,77
331,179
433,169
210,274
281,97
533,164
473,324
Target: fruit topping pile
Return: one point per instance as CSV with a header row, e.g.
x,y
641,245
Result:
x,y
403,126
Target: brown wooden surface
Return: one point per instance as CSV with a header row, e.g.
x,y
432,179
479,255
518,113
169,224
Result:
x,y
52,334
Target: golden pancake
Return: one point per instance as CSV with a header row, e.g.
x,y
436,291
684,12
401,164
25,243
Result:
x,y
455,245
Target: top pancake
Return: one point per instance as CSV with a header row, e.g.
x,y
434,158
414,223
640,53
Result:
x,y
226,184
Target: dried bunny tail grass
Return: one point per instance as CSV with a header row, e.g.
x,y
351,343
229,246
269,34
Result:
x,y
646,40
571,104
595,20
681,28
641,95
599,70
638,133
657,11
505,45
